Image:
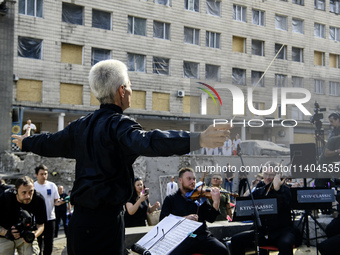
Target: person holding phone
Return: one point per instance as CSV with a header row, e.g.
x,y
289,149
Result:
x,y
138,206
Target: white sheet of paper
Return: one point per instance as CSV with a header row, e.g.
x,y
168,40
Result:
x,y
168,234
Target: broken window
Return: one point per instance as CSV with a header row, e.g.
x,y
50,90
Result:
x,y
190,70
72,14
161,65
98,55
101,19
136,62
29,47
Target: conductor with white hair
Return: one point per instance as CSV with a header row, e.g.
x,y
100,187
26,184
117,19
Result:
x,y
105,144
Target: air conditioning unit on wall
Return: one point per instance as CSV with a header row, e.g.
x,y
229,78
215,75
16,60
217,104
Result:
x,y
180,93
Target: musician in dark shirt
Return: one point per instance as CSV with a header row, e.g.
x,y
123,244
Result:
x,y
178,204
276,229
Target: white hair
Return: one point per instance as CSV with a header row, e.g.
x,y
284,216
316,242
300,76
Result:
x,y
105,77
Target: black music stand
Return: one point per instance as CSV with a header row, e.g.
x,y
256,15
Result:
x,y
308,207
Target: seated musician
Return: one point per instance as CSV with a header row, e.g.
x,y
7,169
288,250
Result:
x,y
276,229
225,209
201,241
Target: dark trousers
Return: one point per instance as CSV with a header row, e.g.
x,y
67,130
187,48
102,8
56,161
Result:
x,y
60,215
45,240
284,239
331,245
206,244
242,186
98,231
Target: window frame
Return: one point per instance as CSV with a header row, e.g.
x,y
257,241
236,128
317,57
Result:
x,y
281,80
297,78
166,26
134,19
194,31
276,22
135,69
260,73
168,3
216,40
197,76
262,54
40,51
243,74
35,8
109,21
192,8
336,33
335,5
320,31
219,10
64,4
218,73
334,88
93,49
239,13
300,54
283,51
299,2
295,30
261,17
154,67
317,7
319,86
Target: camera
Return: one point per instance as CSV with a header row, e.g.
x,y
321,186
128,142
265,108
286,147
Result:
x,y
25,226
318,116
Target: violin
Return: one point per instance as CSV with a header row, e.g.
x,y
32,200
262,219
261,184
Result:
x,y
271,185
197,194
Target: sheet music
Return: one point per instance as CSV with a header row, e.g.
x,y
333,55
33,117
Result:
x,y
168,234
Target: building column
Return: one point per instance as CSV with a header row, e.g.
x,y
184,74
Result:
x,y
61,121
243,133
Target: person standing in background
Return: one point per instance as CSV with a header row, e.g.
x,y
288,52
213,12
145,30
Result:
x,y
236,142
171,187
334,121
61,212
50,192
30,125
227,148
138,206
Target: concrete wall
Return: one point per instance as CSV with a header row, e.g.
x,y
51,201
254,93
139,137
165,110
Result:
x,y
6,74
150,169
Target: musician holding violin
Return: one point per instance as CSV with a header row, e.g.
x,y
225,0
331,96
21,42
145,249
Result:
x,y
192,204
276,229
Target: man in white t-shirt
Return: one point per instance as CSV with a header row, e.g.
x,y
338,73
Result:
x,y
30,125
50,192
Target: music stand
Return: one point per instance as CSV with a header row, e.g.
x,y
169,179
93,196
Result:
x,y
303,155
309,199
